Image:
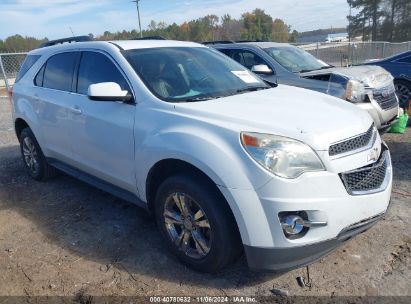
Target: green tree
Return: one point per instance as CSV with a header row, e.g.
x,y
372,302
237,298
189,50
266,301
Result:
x,y
280,31
257,25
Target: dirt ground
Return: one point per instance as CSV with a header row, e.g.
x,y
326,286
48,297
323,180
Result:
x,y
63,237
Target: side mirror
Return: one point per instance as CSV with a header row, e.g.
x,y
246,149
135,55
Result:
x,y
261,69
108,91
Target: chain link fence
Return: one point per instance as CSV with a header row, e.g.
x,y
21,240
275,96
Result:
x,y
338,54
352,53
10,64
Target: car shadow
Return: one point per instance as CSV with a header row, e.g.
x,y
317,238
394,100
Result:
x,y
401,160
100,227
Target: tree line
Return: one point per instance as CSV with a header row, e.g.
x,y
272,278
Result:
x,y
255,25
380,20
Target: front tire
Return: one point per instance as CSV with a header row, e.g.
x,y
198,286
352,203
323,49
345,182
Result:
x,y
33,158
196,223
403,90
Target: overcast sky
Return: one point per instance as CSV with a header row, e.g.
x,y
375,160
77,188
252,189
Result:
x,y
53,18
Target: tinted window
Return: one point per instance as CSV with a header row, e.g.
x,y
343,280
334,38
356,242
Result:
x,y
95,68
27,64
247,58
59,71
38,80
405,60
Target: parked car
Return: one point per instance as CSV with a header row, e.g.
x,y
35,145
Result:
x,y
223,161
370,88
400,68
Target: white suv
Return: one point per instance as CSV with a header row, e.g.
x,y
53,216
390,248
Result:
x,y
223,161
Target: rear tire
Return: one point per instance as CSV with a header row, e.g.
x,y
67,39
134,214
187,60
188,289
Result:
x,y
33,158
196,223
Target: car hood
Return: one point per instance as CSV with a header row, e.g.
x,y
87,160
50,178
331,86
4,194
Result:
x,y
311,117
370,76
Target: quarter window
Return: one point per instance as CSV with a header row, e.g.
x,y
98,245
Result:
x,y
58,73
95,68
38,80
29,61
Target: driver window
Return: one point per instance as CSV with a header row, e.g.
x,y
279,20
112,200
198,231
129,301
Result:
x,y
95,68
247,58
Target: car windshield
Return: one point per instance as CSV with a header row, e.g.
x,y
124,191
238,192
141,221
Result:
x,y
295,59
178,74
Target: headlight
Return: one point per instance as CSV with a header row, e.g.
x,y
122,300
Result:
x,y
282,156
355,91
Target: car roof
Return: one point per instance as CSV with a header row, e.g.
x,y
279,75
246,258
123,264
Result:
x,y
122,44
262,45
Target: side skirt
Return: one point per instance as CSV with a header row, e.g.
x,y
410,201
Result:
x,y
98,183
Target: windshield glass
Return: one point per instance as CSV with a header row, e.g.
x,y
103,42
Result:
x,y
295,59
178,74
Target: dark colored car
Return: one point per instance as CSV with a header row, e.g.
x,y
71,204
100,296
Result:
x,y
369,87
400,68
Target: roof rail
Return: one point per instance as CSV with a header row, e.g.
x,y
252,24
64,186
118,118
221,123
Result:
x,y
257,40
218,42
63,40
150,38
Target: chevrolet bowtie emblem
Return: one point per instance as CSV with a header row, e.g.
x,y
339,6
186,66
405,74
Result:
x,y
374,154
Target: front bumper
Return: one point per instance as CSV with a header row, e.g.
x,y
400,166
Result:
x,y
323,196
285,259
383,119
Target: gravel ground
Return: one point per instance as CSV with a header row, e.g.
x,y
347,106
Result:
x,y
63,237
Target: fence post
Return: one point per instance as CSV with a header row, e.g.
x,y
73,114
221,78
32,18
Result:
x,y
317,52
4,76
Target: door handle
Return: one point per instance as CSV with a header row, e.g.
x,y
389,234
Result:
x,y
76,110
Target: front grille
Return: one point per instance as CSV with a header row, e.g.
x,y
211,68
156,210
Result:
x,y
386,98
352,144
367,178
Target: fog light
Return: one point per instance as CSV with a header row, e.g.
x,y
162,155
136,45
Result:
x,y
295,224
292,224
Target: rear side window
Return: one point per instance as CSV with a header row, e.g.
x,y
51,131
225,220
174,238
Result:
x,y
58,73
28,62
95,68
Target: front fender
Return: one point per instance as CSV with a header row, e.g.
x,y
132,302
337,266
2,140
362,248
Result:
x,y
219,155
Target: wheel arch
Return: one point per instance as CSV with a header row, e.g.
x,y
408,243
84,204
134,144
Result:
x,y
19,125
165,168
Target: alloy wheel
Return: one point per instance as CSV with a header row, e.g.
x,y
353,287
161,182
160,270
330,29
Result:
x,y
30,155
187,225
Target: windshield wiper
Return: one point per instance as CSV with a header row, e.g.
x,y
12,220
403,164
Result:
x,y
322,68
203,98
251,89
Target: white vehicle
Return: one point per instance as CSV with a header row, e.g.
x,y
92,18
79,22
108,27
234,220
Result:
x,y
223,161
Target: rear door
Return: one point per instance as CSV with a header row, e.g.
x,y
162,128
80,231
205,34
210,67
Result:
x,y
103,141
54,96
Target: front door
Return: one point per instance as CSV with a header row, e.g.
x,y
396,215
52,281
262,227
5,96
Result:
x,y
102,131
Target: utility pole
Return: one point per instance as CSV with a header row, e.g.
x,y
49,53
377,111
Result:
x,y
138,13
